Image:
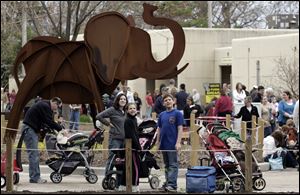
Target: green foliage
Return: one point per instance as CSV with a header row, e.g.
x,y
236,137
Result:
x,y
85,119
10,45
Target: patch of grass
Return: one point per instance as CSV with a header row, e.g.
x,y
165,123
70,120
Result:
x,y
85,119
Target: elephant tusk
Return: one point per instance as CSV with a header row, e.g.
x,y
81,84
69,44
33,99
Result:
x,y
174,73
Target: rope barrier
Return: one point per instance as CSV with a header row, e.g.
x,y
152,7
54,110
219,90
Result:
x,y
151,150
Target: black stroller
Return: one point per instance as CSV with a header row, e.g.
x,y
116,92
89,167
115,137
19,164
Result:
x,y
147,138
66,153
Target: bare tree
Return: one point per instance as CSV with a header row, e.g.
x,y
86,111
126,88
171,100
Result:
x,y
237,14
66,17
287,72
281,7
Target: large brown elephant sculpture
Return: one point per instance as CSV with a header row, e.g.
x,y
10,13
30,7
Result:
x,y
81,72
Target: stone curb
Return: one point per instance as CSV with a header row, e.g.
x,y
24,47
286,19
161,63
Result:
x,y
100,170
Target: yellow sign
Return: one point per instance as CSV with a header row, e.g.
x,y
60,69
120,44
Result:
x,y
213,91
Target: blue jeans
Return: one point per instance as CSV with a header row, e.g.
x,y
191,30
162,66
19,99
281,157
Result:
x,y
74,119
148,112
31,140
171,168
113,144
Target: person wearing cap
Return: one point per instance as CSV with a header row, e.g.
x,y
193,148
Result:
x,y
37,117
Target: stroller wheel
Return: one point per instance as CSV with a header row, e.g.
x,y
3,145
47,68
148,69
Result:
x,y
154,182
227,187
238,184
56,177
16,178
220,185
259,183
105,183
112,183
92,178
3,181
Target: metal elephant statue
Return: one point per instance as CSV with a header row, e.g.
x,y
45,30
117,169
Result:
x,y
82,71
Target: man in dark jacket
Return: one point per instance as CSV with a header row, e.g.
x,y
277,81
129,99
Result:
x,y
260,94
39,115
159,102
181,97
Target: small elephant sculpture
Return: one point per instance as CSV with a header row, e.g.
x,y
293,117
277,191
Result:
x,y
82,71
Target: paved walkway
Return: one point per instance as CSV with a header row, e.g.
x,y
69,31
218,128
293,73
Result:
x,y
277,181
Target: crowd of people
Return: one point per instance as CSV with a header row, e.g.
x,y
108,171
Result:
x,y
173,107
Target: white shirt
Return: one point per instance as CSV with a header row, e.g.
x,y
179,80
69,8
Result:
x,y
196,98
269,146
238,97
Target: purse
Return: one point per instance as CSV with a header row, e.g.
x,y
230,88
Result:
x,y
276,163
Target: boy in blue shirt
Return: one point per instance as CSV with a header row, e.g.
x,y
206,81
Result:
x,y
169,131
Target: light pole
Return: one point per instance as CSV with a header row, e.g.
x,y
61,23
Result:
x,y
257,72
209,14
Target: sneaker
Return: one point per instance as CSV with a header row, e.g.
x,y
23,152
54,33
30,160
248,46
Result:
x,y
121,188
170,189
135,189
40,181
163,187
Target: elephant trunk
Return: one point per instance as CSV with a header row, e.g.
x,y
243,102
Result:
x,y
172,60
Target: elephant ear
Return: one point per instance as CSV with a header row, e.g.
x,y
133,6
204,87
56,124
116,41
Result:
x,y
106,36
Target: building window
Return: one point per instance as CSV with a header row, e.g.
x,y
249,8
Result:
x,y
281,25
286,25
274,18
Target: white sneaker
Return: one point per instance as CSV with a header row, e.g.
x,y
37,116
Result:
x,y
135,189
121,188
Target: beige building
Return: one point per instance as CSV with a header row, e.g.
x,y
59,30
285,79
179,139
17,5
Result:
x,y
221,55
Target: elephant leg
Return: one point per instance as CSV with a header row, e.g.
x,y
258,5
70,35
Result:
x,y
93,113
25,93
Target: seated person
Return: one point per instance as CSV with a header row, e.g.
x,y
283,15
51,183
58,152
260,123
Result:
x,y
273,145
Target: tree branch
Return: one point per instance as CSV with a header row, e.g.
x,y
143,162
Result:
x,y
50,17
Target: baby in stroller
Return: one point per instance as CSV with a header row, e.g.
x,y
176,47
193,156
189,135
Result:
x,y
147,139
69,149
225,155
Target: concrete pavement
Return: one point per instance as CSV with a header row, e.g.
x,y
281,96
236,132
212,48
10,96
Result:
x,y
277,181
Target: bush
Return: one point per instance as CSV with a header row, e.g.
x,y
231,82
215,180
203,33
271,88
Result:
x,y
85,119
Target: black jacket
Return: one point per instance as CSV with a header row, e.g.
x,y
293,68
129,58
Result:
x,y
130,128
40,114
246,115
187,112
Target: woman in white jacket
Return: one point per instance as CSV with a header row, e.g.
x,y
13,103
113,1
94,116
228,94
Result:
x,y
272,144
238,94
